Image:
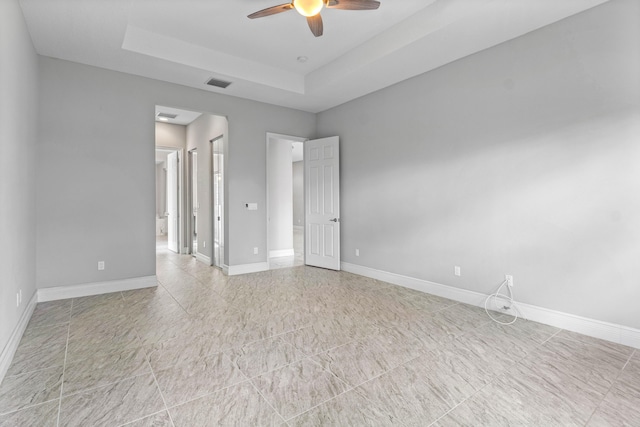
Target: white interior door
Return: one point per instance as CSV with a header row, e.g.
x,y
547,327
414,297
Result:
x,y
172,201
322,202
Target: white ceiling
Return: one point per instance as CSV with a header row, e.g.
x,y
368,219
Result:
x,y
183,117
188,41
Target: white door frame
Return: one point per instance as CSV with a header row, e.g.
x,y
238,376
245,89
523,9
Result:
x,y
181,207
212,209
287,138
189,201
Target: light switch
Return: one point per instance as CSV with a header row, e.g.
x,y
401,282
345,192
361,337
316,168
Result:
x,y
252,206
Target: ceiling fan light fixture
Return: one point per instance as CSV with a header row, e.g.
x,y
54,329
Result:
x,y
308,8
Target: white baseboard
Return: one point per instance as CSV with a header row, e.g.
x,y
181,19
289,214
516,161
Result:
x,y
234,270
595,328
281,252
10,349
456,294
97,288
203,258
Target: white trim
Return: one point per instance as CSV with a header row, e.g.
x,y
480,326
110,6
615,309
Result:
x,y
234,270
286,137
203,258
457,294
281,252
10,349
96,288
595,328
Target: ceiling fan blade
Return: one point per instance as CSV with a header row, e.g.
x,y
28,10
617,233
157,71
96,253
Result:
x,y
315,24
271,11
353,4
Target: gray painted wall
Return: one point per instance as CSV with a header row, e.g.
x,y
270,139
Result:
x,y
521,159
298,193
96,170
170,135
18,137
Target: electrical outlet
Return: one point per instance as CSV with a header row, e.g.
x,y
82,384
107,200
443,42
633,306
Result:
x,y
357,252
101,265
503,307
509,279
456,270
255,250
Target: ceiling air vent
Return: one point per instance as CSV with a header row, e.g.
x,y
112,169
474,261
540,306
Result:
x,y
218,83
166,116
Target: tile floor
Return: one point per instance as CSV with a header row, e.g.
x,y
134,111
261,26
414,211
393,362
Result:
x,y
304,346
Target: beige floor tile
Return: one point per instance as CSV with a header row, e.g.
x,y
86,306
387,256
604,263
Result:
x,y
115,404
161,419
620,407
50,313
167,329
520,402
263,356
188,381
282,320
23,390
104,369
43,415
40,348
298,387
478,364
347,409
325,334
359,361
234,406
110,339
43,337
104,305
34,360
416,393
169,353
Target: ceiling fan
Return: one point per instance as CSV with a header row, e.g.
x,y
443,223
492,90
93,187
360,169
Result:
x,y
311,10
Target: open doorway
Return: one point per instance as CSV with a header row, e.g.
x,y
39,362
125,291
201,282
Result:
x,y
201,138
168,191
285,201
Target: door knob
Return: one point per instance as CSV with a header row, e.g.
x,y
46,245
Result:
x,y
334,220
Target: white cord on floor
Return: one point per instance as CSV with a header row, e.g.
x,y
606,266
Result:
x,y
509,304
